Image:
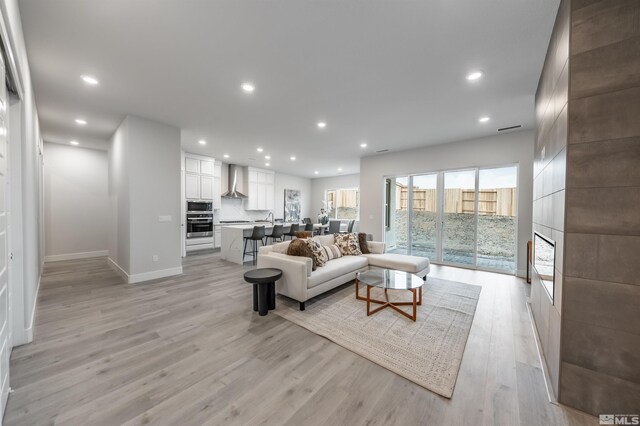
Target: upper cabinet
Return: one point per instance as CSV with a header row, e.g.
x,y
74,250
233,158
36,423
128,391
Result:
x,y
261,189
203,179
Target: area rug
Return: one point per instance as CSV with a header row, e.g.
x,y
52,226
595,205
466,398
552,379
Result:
x,y
427,352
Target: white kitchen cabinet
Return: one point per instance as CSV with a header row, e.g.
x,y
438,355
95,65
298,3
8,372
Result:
x,y
192,186
191,165
203,179
206,188
261,189
206,167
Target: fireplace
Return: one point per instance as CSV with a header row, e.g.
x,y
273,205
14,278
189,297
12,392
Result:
x,y
544,259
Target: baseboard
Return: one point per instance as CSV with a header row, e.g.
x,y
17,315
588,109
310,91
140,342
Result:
x,y
118,269
72,256
145,276
154,275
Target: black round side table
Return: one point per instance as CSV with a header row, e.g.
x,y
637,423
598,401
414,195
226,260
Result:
x,y
264,288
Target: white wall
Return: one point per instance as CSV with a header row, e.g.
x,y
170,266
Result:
x,y
495,150
320,185
284,181
118,238
76,196
144,185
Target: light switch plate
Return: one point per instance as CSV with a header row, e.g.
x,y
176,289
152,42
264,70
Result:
x,y
164,218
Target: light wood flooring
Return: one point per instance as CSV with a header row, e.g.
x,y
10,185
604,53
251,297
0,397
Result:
x,y
189,350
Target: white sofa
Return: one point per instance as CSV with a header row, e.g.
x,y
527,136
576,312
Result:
x,y
301,283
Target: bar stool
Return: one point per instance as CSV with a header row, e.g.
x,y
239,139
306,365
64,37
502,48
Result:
x,y
256,235
277,233
295,227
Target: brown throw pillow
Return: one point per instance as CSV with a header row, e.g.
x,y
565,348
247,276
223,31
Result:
x,y
302,249
362,239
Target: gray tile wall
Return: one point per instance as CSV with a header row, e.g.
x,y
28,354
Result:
x,y
600,349
549,185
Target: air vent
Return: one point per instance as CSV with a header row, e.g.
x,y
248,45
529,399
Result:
x,y
383,150
504,129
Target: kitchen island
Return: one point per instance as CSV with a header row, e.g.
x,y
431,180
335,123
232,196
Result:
x,y
232,240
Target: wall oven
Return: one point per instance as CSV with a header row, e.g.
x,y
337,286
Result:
x,y
199,225
199,207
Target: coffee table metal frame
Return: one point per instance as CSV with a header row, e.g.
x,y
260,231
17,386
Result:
x,y
417,299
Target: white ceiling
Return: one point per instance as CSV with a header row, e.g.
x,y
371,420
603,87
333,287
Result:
x,y
391,73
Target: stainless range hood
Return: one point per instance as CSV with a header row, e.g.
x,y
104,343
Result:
x,y
233,183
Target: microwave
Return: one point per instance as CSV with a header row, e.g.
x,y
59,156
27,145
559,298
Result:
x,y
199,207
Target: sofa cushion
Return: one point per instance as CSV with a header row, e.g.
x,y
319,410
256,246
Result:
x,y
335,269
348,244
325,240
279,247
301,248
401,262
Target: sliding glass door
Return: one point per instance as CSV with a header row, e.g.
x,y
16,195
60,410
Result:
x,y
458,217
497,218
423,223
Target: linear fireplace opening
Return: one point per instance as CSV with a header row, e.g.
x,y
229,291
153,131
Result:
x,y
544,259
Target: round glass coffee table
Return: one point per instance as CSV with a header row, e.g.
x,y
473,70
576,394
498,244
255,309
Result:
x,y
390,279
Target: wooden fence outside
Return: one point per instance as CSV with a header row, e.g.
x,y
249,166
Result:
x,y
499,202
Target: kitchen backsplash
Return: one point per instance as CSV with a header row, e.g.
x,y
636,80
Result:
x,y
233,209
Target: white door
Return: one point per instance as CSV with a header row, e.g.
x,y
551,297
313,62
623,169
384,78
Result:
x,y
206,188
5,344
192,186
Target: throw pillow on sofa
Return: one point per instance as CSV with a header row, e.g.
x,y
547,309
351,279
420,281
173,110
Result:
x,y
362,241
331,252
348,244
302,249
316,251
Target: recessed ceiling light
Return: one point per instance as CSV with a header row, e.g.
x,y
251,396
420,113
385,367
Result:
x,y
363,145
474,75
226,156
339,169
267,157
322,124
260,149
89,79
316,172
293,158
484,119
80,121
248,87
202,142
75,143
267,164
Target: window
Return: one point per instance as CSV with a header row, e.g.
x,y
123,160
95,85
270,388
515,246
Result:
x,y
343,203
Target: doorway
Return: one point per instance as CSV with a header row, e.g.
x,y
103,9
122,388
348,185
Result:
x,y
464,218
